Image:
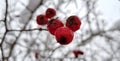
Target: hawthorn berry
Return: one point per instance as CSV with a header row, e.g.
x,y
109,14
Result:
x,y
64,35
36,55
53,24
50,12
42,19
73,22
78,52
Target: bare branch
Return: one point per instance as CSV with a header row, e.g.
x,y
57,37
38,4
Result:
x,y
5,22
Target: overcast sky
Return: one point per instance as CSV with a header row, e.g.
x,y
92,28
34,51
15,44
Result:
x,y
110,9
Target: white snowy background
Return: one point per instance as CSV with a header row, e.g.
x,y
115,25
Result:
x,y
98,37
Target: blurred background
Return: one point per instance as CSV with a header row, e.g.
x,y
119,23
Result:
x,y
98,37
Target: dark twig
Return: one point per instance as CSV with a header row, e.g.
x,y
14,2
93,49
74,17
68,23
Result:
x,y
5,22
40,29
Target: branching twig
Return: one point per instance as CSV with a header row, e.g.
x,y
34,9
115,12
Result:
x,y
5,22
17,38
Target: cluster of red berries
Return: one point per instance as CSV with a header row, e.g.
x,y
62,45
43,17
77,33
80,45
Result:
x,y
63,34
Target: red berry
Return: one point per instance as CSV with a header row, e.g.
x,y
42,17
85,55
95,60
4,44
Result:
x,y
36,55
53,24
73,22
64,35
50,12
77,52
42,19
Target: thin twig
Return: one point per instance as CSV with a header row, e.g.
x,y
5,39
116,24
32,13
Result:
x,y
17,38
29,29
5,22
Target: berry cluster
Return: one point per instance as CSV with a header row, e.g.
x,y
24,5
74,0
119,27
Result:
x,y
63,34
